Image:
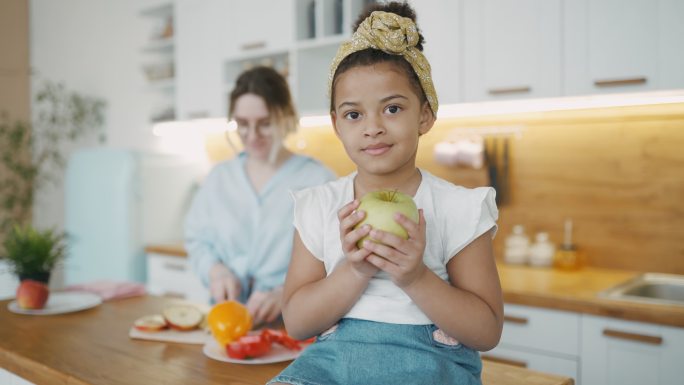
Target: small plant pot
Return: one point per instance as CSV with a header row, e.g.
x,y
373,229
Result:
x,y
43,276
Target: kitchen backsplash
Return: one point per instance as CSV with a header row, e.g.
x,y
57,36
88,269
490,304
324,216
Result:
x,y
617,172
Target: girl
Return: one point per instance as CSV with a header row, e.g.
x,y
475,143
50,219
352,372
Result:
x,y
238,232
412,310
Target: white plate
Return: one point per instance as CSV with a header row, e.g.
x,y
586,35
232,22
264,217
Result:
x,y
61,302
278,353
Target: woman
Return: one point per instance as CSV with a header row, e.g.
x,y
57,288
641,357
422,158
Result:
x,y
238,232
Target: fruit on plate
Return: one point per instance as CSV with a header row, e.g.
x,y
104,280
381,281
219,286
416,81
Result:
x,y
32,294
247,347
381,206
150,323
229,321
182,317
258,345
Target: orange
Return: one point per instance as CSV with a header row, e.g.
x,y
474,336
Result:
x,y
229,321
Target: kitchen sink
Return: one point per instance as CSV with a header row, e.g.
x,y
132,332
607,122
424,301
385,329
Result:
x,y
655,288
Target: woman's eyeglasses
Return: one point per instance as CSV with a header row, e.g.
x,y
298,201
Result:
x,y
261,129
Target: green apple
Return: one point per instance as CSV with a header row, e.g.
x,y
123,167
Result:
x,y
380,207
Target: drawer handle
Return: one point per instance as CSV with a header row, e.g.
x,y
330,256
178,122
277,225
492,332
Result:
x,y
511,90
620,82
174,266
253,45
655,340
516,320
507,361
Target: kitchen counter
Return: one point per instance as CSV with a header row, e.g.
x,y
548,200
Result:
x,y
93,347
562,290
578,291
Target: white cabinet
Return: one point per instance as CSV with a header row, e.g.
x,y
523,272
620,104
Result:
x,y
258,24
617,352
539,339
208,32
511,49
198,63
170,275
438,22
623,45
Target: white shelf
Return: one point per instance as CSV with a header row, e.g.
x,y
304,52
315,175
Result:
x,y
158,53
159,11
165,85
321,42
165,45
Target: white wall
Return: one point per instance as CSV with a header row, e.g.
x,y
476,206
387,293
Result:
x,y
93,47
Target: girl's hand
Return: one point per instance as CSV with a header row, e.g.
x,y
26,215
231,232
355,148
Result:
x,y
401,258
265,306
349,236
223,284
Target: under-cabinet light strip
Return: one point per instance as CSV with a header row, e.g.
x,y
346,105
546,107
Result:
x,y
205,126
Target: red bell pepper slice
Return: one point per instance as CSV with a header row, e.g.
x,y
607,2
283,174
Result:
x,y
248,347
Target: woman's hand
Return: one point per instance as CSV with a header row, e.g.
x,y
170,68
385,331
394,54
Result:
x,y
401,258
349,236
223,284
265,306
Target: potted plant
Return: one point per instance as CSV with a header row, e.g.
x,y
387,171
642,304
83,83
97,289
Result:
x,y
32,255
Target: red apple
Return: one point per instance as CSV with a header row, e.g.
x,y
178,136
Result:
x,y
150,323
183,317
32,294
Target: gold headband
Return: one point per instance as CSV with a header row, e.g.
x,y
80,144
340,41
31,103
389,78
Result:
x,y
395,35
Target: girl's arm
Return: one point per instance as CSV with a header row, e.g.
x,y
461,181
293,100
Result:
x,y
313,302
470,308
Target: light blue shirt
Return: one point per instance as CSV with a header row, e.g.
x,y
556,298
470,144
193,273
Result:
x,y
250,233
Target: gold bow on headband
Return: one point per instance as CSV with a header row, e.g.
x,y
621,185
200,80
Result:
x,y
395,35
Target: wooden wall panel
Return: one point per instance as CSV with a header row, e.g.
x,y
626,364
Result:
x,y
14,66
617,172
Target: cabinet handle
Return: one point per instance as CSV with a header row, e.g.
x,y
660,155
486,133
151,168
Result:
x,y
619,82
655,340
511,90
516,320
507,361
174,266
253,45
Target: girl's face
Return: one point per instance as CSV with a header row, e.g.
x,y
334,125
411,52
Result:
x,y
378,117
254,125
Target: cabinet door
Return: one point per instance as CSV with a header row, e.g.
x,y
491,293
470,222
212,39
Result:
x,y
198,65
623,45
541,361
172,276
439,23
616,352
511,49
540,329
257,24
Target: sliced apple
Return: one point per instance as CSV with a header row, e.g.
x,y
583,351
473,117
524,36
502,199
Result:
x,y
150,323
183,317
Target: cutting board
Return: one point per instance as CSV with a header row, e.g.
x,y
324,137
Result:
x,y
198,336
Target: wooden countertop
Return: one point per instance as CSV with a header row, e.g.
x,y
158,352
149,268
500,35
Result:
x,y
578,291
562,290
93,347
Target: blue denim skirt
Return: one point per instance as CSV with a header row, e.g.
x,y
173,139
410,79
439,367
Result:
x,y
375,353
